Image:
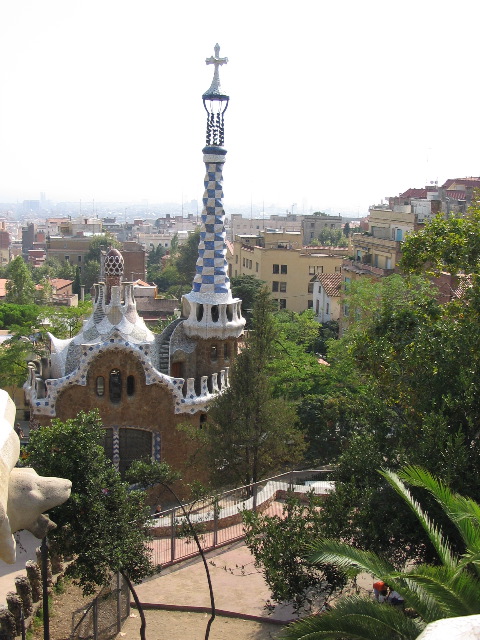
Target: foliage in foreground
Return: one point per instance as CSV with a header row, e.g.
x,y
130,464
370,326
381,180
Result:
x,y
278,544
448,589
103,524
400,389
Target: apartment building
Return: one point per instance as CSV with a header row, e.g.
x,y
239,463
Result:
x,y
313,224
239,225
287,268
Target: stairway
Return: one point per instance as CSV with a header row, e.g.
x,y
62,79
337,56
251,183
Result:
x,y
164,347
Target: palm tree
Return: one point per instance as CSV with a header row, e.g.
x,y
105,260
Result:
x,y
446,590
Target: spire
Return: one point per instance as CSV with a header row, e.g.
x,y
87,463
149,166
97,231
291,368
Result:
x,y
210,308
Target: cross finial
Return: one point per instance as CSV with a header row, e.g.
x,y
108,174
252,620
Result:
x,y
217,62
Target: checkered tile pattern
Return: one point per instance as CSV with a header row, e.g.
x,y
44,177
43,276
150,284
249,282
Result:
x,y
212,269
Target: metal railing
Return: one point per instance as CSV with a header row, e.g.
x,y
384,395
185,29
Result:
x,y
218,519
104,616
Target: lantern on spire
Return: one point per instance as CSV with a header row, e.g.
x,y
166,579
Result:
x,y
215,102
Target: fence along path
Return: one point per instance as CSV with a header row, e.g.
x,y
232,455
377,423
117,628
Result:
x,y
218,520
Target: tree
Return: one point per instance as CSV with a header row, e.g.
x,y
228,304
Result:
x,y
154,262
249,433
76,286
186,259
101,243
450,588
103,524
44,292
279,542
14,354
18,318
445,244
91,274
403,373
65,322
20,288
346,229
246,288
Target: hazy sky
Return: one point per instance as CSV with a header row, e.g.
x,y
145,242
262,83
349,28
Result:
x,y
333,104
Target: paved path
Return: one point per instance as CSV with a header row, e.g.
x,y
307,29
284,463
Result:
x,y
26,546
238,587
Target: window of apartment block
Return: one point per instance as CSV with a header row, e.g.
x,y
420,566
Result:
x,y
345,310
346,283
283,287
243,262
283,268
276,268
256,267
328,307
274,285
79,258
67,258
282,303
312,225
313,269
338,269
236,259
310,304
249,264
310,287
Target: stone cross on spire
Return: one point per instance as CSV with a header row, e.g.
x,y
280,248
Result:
x,y
217,61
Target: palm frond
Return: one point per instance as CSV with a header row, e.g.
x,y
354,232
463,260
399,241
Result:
x,y
346,557
463,512
456,594
441,546
356,618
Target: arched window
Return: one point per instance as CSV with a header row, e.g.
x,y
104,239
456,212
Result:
x,y
100,384
130,385
213,352
115,386
199,312
215,313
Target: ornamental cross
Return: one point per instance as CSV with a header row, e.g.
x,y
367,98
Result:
x,y
217,61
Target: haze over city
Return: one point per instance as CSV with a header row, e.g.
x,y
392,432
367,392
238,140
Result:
x,y
333,105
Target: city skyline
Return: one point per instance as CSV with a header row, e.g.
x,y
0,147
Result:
x,y
335,107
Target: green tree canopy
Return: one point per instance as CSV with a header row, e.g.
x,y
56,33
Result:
x,y
18,318
20,288
103,524
399,389
249,433
277,544
101,243
446,244
447,589
246,287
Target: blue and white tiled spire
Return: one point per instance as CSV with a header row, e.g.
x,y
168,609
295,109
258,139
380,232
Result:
x,y
212,268
210,309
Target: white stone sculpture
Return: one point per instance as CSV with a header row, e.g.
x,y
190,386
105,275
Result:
x,y
24,495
